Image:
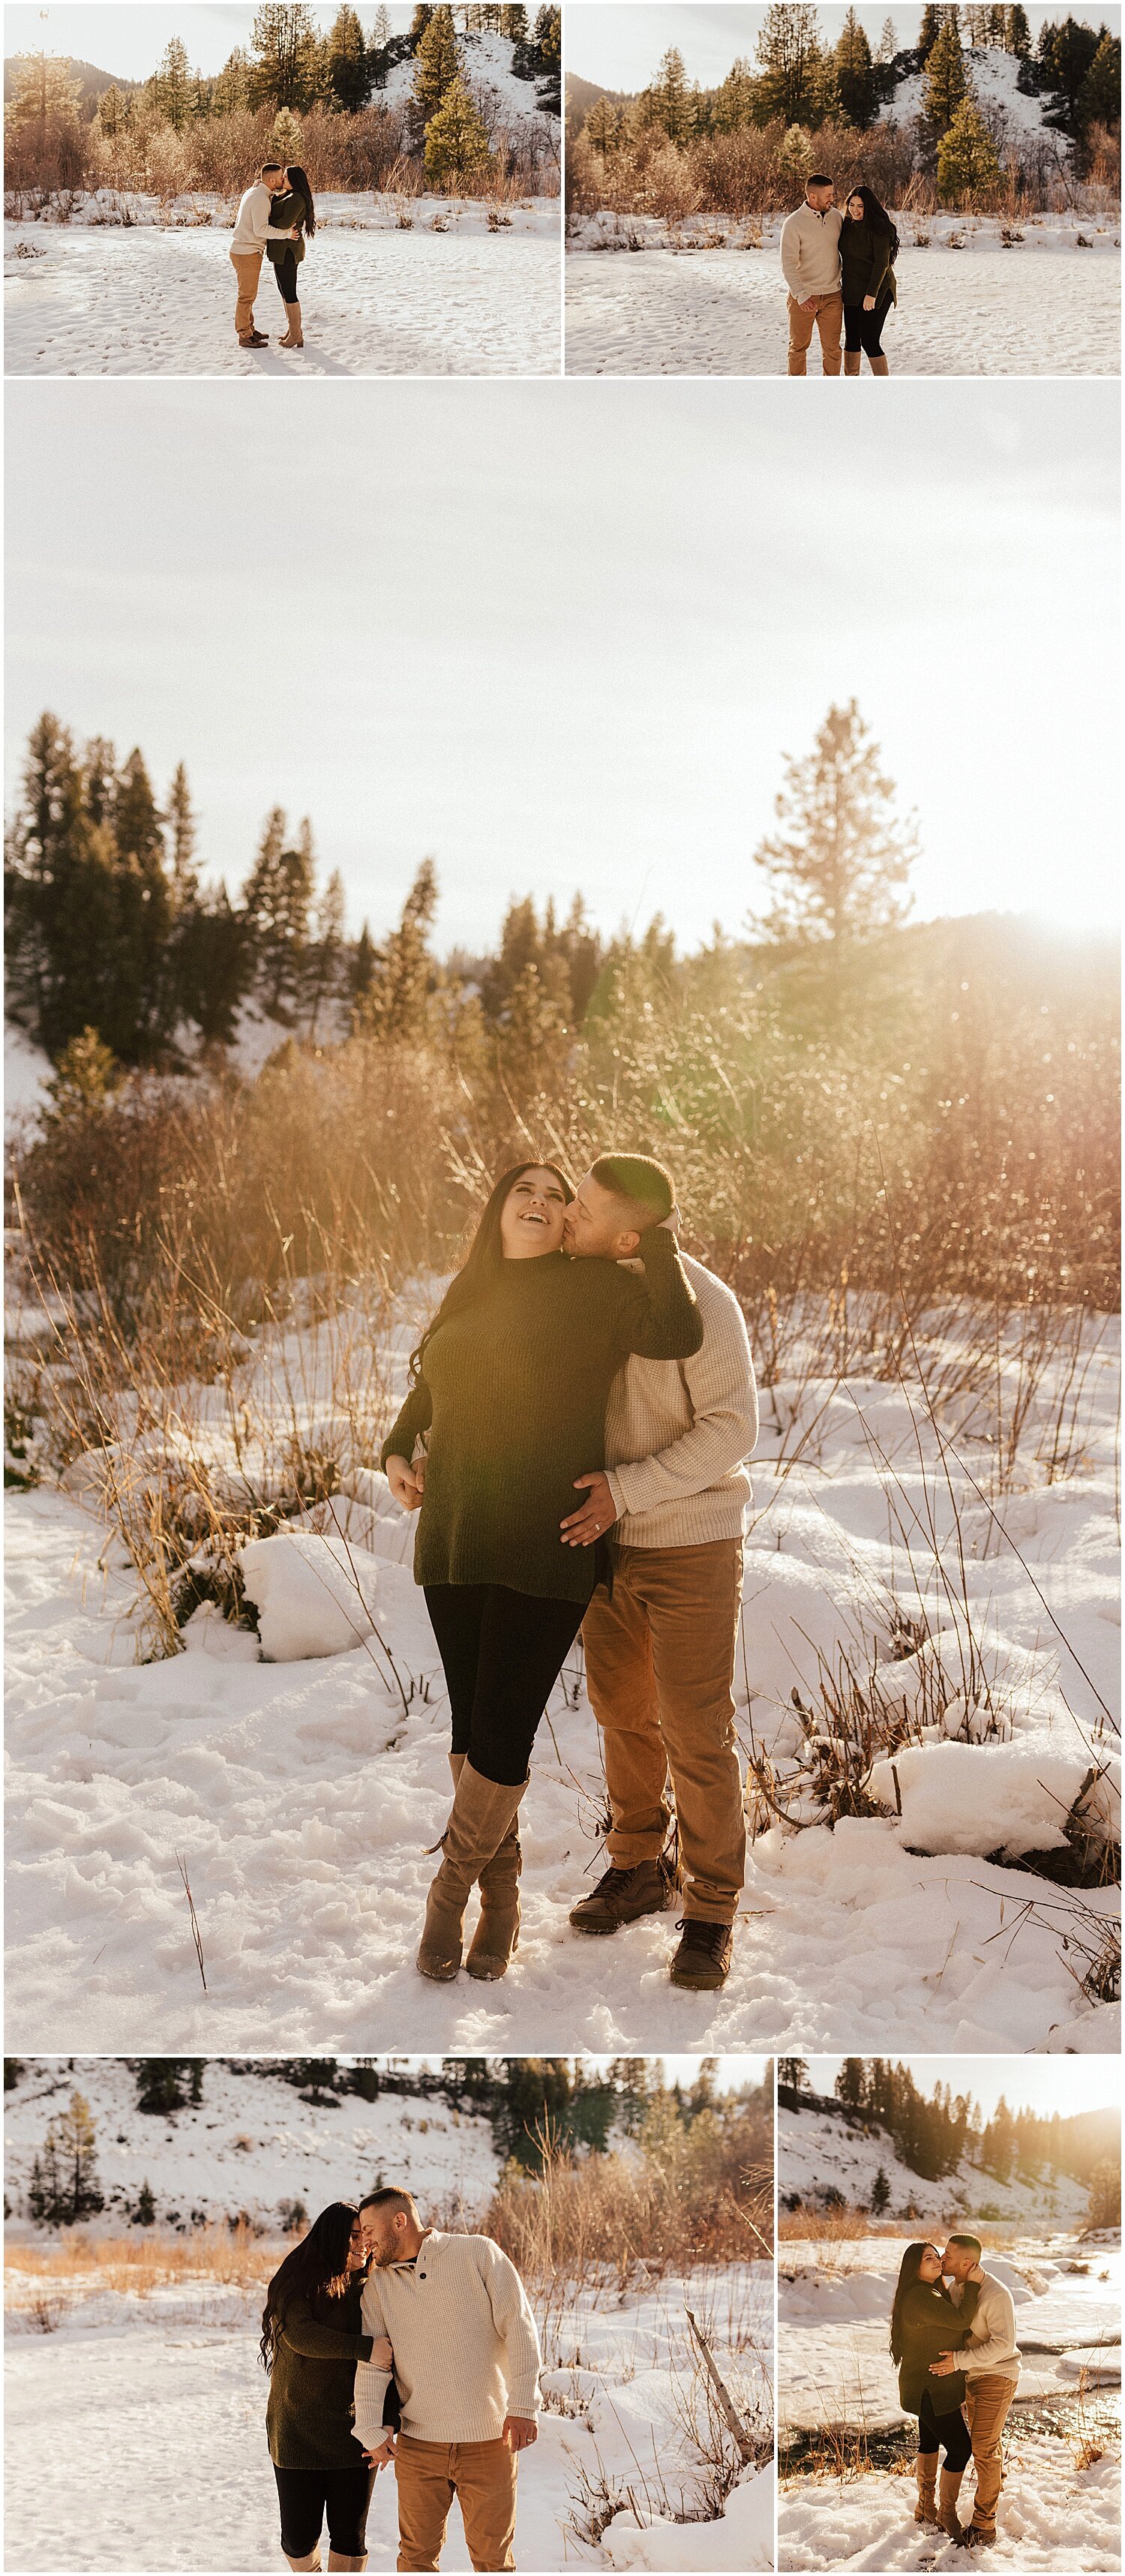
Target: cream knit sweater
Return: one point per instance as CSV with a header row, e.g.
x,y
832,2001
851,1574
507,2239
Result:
x,y
465,2343
678,1433
992,2346
810,252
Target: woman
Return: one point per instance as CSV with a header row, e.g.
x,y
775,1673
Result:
x,y
925,2325
868,246
509,1386
296,208
311,2342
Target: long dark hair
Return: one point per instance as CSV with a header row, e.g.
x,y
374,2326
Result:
x,y
874,213
319,2262
908,2271
483,1261
300,187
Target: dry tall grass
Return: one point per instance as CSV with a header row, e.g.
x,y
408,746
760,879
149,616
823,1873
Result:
x,y
78,2262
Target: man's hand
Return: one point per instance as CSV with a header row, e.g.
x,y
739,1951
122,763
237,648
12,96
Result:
x,y
810,304
407,1482
949,2361
869,303
597,1514
383,2453
519,2432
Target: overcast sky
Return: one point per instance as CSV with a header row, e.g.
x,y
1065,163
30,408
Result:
x,y
564,641
619,42
1040,2084
130,39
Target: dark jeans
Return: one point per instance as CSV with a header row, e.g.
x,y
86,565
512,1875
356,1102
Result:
x,y
306,2495
862,330
949,2431
285,271
503,1653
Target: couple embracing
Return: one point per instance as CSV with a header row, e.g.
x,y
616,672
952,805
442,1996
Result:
x,y
275,218
388,2341
574,1440
953,2340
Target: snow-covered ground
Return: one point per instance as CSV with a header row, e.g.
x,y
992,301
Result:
x,y
714,302
252,2147
304,1797
445,297
834,2303
820,2151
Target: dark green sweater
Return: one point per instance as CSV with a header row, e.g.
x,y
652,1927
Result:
x,y
865,262
310,2410
289,209
513,1397
930,2325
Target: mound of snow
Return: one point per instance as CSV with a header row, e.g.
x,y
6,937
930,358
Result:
x,y
1010,1798
313,1596
742,2537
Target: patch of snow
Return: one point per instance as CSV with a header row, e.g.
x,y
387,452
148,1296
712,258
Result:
x,y
27,1071
1054,2517
313,1595
980,1798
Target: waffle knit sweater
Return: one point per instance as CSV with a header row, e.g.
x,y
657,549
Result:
x,y
810,252
992,2347
679,1433
465,2342
512,1405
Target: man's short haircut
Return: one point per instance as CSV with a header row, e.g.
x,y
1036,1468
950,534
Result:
x,y
645,1189
969,2242
389,2196
271,165
820,179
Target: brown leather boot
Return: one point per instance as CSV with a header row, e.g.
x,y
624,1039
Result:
x,y
852,361
482,1816
623,1895
294,337
926,2508
948,2517
878,367
300,2564
335,2560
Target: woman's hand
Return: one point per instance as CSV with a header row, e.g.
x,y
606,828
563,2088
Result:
x,y
407,1482
869,303
382,2353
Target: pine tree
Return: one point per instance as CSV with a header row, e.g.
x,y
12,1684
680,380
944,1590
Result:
x,y
44,93
546,46
606,127
285,40
513,23
173,86
793,2073
1017,33
933,16
1099,99
71,2152
735,101
946,84
668,104
397,1004
436,70
880,2194
456,152
789,52
347,64
837,867
234,87
855,73
326,950
145,2214
888,42
1104,2206
160,2084
379,49
276,902
849,2083
1066,53
184,885
968,165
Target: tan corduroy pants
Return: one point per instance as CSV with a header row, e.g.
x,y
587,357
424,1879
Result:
x,y
482,2476
987,2402
248,271
660,1670
828,319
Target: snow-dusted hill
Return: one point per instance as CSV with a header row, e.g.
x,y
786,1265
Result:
x,y
820,2150
1011,113
253,2145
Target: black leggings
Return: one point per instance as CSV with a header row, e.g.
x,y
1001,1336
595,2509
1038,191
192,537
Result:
x,y
862,330
306,2495
285,271
949,2431
503,1653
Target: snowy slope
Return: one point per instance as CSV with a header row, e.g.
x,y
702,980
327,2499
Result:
x,y
820,2151
27,1072
994,76
252,2145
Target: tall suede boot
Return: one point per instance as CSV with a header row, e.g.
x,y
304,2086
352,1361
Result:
x,y
878,367
852,361
926,2508
948,2517
299,2564
294,338
335,2560
483,1815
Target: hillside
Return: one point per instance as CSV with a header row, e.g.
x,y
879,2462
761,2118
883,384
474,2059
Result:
x,y
582,95
91,82
821,2150
254,2145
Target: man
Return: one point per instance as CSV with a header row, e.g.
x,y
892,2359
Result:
x,y
991,2363
252,230
466,2363
810,261
660,1649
